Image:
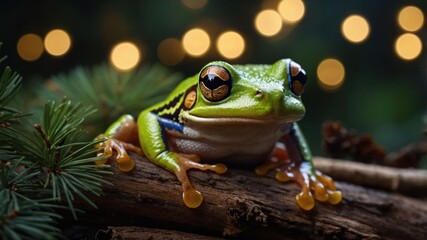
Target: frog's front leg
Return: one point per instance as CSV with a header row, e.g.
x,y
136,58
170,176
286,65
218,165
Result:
x,y
155,144
295,164
120,137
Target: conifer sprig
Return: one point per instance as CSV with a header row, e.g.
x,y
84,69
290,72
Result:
x,y
24,213
10,83
43,164
111,92
65,163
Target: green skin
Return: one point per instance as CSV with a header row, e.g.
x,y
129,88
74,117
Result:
x,y
247,80
261,102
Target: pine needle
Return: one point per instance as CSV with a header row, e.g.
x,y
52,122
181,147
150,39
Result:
x,y
112,93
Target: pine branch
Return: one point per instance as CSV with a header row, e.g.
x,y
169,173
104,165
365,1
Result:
x,y
24,213
54,165
65,163
112,93
42,164
10,82
33,220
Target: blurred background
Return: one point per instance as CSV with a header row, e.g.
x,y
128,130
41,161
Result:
x,y
366,60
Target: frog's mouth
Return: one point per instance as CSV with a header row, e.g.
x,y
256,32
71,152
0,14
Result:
x,y
234,120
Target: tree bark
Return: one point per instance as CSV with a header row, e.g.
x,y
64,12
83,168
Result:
x,y
242,204
138,233
409,181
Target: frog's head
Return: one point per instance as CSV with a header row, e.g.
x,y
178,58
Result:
x,y
249,93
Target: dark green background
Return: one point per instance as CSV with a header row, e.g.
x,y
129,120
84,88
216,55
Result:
x,y
382,94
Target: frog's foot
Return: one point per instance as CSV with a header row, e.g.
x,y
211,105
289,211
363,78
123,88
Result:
x,y
191,197
314,185
311,181
112,145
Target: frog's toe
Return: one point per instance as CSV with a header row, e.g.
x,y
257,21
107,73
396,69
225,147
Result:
x,y
192,198
267,167
187,164
327,181
282,176
124,162
219,168
320,193
305,200
334,197
126,166
105,150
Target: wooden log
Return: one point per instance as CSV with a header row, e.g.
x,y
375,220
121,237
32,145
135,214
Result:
x,y
240,203
138,233
408,181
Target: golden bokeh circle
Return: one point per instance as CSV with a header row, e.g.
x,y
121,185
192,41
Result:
x,y
410,18
408,46
30,47
196,42
57,42
355,28
330,73
268,23
292,11
230,44
125,56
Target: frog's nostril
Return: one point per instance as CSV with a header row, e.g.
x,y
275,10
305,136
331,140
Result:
x,y
259,94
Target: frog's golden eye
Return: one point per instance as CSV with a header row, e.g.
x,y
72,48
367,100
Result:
x,y
298,78
215,83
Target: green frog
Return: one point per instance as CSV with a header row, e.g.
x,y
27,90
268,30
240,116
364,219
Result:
x,y
240,115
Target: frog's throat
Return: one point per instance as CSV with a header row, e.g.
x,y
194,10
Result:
x,y
233,120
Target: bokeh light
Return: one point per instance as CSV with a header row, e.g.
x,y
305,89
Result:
x,y
194,4
408,46
355,28
125,56
196,42
230,44
330,74
170,51
30,47
291,11
268,23
57,42
410,18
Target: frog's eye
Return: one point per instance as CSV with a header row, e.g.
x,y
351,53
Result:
x,y
215,83
297,78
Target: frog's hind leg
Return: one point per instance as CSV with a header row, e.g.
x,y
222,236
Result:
x,y
180,163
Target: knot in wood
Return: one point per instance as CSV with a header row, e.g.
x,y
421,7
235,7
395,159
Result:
x,y
245,211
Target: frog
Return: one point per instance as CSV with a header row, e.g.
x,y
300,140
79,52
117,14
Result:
x,y
226,115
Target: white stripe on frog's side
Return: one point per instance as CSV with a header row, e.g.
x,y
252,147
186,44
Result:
x,y
229,139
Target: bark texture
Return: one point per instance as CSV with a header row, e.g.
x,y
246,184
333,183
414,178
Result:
x,y
138,233
409,181
243,205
